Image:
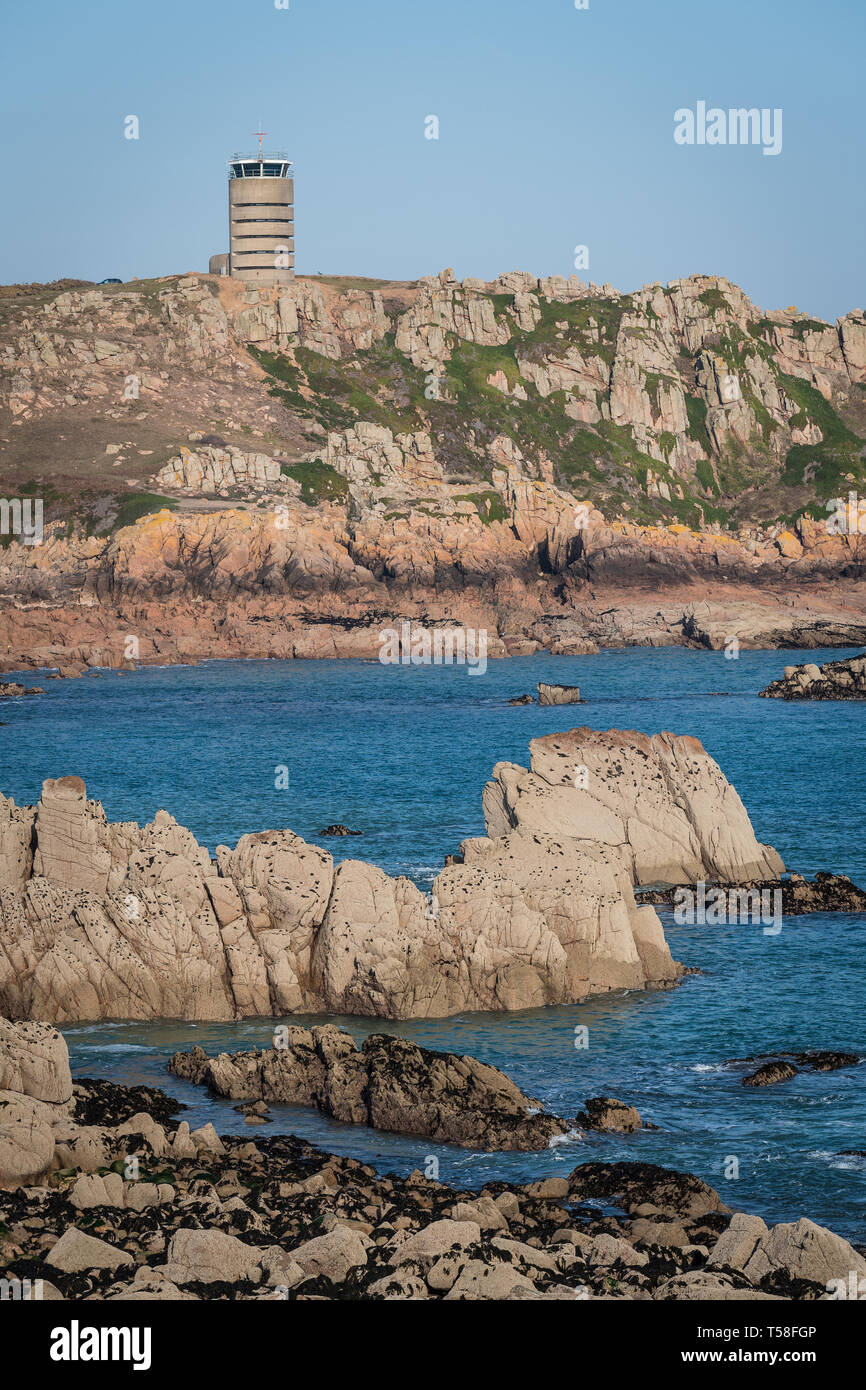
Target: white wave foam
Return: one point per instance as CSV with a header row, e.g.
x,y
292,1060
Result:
x,y
571,1136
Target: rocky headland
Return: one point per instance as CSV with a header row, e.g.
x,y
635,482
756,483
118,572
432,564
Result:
x,y
285,472
102,920
101,1199
835,680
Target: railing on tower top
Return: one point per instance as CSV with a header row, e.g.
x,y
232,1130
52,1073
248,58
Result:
x,y
259,158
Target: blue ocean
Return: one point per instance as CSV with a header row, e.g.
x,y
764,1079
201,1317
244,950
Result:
x,y
402,754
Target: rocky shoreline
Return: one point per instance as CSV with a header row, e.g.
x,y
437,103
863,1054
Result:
x,y
566,482
103,1196
48,637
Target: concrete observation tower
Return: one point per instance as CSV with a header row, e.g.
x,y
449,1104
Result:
x,y
261,219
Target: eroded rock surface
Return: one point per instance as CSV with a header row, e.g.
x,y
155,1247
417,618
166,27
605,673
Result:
x,y
35,1098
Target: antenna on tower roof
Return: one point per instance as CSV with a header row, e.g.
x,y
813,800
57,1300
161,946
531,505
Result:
x,y
260,133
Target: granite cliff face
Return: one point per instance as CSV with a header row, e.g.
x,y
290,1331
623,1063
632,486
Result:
x,y
555,462
104,920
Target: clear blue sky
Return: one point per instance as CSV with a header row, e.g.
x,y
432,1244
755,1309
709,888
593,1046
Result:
x,y
556,128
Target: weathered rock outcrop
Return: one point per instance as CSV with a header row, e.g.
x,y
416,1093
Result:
x,y
209,469
660,802
558,694
835,680
101,920
388,469
389,1083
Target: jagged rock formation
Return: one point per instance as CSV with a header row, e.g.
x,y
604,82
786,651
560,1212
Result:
x,y
500,453
389,1083
646,797
105,920
81,338
384,470
835,680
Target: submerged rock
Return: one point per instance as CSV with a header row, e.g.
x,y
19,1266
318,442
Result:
x,y
604,1112
826,892
255,1112
770,1074
339,830
784,1066
635,1185
390,1083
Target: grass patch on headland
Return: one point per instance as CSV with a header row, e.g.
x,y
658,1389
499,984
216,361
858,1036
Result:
x,y
319,481
715,300
140,504
839,452
595,322
489,505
